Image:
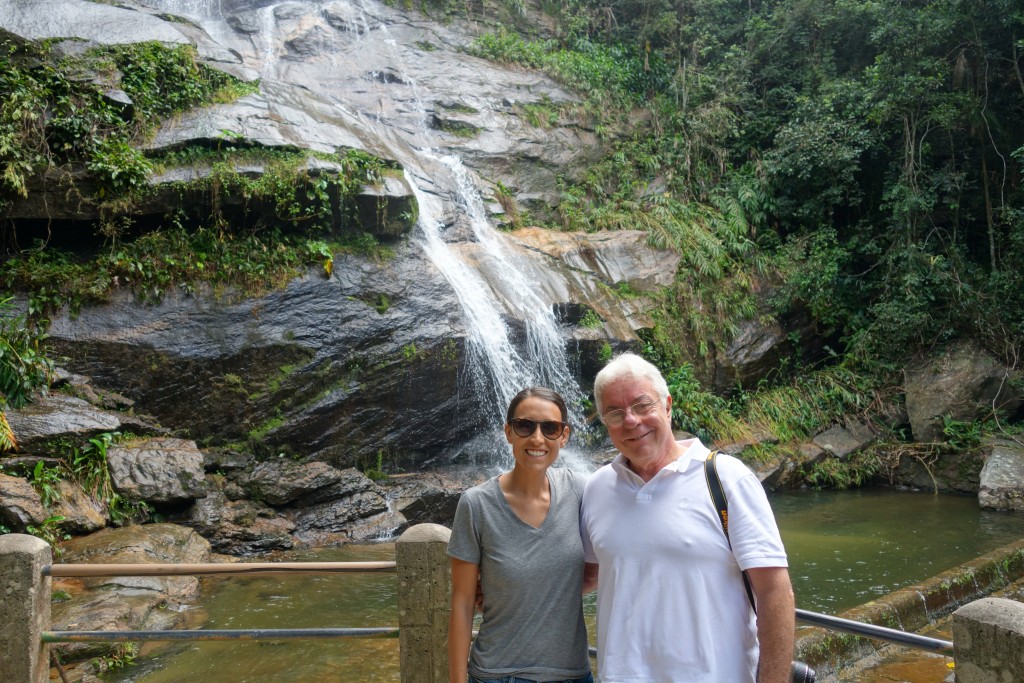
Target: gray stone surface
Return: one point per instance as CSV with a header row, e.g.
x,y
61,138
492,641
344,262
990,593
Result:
x,y
81,512
1002,478
281,481
962,382
20,505
842,440
59,415
99,23
424,595
157,470
128,602
24,609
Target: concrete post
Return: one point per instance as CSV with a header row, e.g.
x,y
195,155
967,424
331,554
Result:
x,y
424,601
24,609
988,641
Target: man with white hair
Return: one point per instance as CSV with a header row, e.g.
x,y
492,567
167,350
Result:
x,y
672,606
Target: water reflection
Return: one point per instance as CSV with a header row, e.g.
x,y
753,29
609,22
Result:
x,y
845,549
339,601
851,547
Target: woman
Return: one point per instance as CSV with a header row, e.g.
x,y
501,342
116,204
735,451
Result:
x,y
518,534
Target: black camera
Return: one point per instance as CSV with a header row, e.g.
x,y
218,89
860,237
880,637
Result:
x,y
801,673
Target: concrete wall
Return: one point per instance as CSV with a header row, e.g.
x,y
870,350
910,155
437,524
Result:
x,y
988,636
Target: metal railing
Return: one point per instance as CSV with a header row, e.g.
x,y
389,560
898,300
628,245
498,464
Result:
x,y
240,569
859,628
422,590
423,600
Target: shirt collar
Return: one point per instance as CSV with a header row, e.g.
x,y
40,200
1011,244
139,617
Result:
x,y
693,449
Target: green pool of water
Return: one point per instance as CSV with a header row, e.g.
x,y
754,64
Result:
x,y
845,549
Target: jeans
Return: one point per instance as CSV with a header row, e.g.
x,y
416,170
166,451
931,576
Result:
x,y
589,678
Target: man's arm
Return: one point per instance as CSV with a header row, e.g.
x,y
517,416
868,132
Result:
x,y
460,621
776,622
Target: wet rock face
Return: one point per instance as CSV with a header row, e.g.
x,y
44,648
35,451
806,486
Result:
x,y
337,368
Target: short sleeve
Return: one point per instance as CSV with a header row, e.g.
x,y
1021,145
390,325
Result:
x,y
753,531
464,543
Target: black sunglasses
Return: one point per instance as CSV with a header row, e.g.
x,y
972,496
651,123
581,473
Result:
x,y
551,429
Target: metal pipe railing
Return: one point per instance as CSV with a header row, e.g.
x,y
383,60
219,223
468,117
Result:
x,y
225,569
232,634
859,628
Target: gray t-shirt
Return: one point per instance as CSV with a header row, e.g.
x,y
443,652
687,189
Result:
x,y
531,579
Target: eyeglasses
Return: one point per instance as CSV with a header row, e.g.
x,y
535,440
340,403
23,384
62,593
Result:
x,y
614,418
551,429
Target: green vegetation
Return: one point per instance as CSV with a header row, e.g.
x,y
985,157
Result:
x,y
24,367
121,656
90,469
838,473
591,320
45,480
81,125
864,157
861,161
865,154
377,472
284,225
49,530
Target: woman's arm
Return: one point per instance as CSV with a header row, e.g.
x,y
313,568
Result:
x,y
589,576
460,622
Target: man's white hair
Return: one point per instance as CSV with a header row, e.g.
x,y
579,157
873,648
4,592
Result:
x,y
628,366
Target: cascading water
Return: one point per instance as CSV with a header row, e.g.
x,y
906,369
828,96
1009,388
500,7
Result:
x,y
492,289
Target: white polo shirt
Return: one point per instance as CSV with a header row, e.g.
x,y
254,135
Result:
x,y
671,604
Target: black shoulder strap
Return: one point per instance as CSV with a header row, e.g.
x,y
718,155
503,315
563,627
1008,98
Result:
x,y
722,507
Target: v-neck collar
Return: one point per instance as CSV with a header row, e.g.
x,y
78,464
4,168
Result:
x,y
508,507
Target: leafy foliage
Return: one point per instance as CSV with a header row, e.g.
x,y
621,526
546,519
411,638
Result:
x,y
156,262
868,155
90,468
837,473
25,369
809,404
703,414
49,115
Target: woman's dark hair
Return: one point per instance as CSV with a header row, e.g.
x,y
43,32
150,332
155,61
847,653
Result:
x,y
538,392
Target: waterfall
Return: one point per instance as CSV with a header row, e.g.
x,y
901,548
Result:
x,y
491,290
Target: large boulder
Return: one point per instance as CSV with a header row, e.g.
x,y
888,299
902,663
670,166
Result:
x,y
239,527
964,382
160,471
82,513
1002,477
60,416
20,504
280,481
431,497
843,439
